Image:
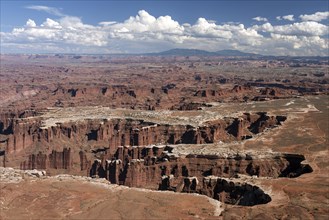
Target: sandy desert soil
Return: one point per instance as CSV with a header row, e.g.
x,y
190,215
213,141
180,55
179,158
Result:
x,y
69,197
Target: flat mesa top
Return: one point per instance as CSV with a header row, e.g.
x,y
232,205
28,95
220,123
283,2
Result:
x,y
53,116
222,150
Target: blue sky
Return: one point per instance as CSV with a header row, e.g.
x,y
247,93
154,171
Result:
x,y
277,27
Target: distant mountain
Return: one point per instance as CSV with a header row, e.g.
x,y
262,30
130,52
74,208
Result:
x,y
185,52
196,52
235,53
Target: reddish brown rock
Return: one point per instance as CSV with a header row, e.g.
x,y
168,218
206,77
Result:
x,y
55,160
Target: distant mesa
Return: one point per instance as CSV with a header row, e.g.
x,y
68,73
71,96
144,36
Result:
x,y
235,53
185,52
196,52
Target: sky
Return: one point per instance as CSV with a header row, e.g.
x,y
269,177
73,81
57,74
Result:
x,y
279,27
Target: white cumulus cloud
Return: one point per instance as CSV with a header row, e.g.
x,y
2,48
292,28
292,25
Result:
x,y
318,16
204,28
288,17
260,19
144,22
306,28
49,23
147,33
30,23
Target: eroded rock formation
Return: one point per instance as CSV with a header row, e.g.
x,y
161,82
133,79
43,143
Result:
x,y
140,166
22,133
140,153
233,192
158,168
54,160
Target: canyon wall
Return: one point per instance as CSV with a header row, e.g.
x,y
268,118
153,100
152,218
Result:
x,y
138,153
21,133
157,168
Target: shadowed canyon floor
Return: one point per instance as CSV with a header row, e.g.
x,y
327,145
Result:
x,y
227,145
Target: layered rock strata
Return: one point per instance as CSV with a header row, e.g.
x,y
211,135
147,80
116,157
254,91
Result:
x,y
152,166
21,133
140,153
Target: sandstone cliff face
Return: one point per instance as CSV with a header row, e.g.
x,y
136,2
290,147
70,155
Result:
x,y
47,147
229,191
7,119
79,93
121,132
146,167
54,160
138,153
232,192
158,169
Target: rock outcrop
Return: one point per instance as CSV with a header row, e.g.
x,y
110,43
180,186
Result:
x,y
150,166
22,133
54,160
233,192
139,153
